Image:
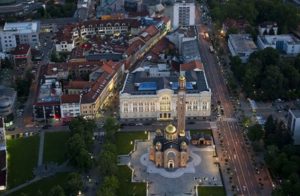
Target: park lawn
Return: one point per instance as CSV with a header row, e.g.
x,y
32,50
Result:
x,y
204,131
123,141
43,186
22,158
211,191
55,146
126,187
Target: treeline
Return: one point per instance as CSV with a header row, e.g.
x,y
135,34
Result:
x,y
256,12
107,160
268,76
57,10
282,158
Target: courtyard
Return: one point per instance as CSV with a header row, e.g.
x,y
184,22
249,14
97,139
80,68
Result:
x,y
201,170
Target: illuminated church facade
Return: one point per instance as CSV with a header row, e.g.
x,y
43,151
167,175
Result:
x,y
170,146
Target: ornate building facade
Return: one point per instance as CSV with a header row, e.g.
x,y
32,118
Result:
x,y
147,95
170,148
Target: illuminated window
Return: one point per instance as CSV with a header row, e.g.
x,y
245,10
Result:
x,y
165,104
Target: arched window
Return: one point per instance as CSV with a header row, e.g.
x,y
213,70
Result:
x,y
165,103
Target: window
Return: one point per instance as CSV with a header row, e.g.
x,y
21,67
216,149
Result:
x,y
141,107
189,106
195,105
152,106
147,107
165,104
125,107
134,107
204,106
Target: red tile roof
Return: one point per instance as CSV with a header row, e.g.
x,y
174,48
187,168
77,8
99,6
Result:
x,y
134,46
77,84
196,64
70,98
149,32
21,49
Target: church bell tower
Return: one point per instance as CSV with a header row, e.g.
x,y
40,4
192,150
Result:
x,y
181,106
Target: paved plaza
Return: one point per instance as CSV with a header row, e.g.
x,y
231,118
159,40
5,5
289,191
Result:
x,y
201,170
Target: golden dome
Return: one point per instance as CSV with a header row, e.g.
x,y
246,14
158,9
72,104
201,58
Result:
x,y
183,145
181,77
182,133
170,129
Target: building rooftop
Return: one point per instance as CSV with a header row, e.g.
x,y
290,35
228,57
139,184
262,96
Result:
x,y
140,83
75,98
192,65
190,50
21,49
23,27
242,43
296,113
272,39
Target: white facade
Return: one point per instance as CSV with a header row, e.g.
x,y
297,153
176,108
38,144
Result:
x,y
70,110
285,43
64,46
294,125
241,45
183,14
19,33
162,106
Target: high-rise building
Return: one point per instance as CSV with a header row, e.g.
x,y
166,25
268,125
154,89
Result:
x,y
17,33
183,13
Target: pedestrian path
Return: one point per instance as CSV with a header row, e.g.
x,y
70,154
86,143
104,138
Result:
x,y
41,148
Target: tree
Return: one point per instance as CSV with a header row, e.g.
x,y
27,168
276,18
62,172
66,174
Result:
x,y
109,186
111,127
6,63
255,132
77,153
74,184
56,191
107,163
269,126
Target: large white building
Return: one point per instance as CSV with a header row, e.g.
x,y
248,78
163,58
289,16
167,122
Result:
x,y
294,125
285,43
241,45
13,34
183,13
149,95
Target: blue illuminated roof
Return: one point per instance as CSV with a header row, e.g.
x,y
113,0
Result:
x,y
147,86
189,86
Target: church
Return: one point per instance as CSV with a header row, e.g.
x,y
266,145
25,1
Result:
x,y
170,147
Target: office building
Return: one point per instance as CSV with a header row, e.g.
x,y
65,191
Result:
x,y
183,13
241,45
285,43
17,33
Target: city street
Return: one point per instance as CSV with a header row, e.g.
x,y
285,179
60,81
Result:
x,y
232,148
